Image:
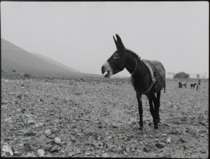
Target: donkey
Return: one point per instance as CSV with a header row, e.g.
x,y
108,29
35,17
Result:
x,y
197,85
147,77
182,84
192,85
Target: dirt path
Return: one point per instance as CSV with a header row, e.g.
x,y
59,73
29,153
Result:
x,y
100,119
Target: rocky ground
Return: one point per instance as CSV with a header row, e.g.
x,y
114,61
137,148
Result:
x,y
72,118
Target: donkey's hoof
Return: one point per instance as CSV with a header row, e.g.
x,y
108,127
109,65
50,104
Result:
x,y
156,127
140,127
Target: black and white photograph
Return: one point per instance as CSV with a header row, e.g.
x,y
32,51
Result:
x,y
105,79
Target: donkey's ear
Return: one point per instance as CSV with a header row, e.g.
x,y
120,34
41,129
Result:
x,y
116,42
119,41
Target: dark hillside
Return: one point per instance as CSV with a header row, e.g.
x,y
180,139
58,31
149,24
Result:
x,y
19,60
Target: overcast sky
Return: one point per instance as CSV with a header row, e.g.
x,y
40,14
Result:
x,y
79,34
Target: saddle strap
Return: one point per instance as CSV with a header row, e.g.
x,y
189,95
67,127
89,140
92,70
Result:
x,y
146,62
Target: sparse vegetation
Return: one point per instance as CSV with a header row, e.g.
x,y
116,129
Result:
x,y
26,75
181,75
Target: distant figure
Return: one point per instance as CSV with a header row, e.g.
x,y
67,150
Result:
x,y
199,82
198,85
181,84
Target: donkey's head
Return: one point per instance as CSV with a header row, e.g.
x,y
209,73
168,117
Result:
x,y
116,62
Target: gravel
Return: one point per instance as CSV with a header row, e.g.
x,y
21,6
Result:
x,y
65,118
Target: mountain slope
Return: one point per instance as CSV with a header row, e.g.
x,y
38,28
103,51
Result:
x,y
56,63
16,58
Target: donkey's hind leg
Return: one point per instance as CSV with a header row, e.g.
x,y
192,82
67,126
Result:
x,y
152,103
158,106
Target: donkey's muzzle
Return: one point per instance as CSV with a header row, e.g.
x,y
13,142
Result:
x,y
106,69
102,69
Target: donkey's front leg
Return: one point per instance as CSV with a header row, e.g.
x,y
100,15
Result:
x,y
139,98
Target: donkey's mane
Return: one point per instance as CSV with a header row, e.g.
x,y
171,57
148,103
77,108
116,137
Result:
x,y
133,54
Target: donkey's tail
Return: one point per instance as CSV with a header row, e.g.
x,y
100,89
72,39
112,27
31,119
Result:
x,y
164,87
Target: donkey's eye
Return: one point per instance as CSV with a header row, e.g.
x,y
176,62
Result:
x,y
116,56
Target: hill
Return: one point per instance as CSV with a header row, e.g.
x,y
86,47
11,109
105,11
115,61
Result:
x,y
181,75
19,60
56,63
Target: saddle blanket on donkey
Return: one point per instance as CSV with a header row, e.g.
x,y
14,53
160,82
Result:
x,y
157,75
